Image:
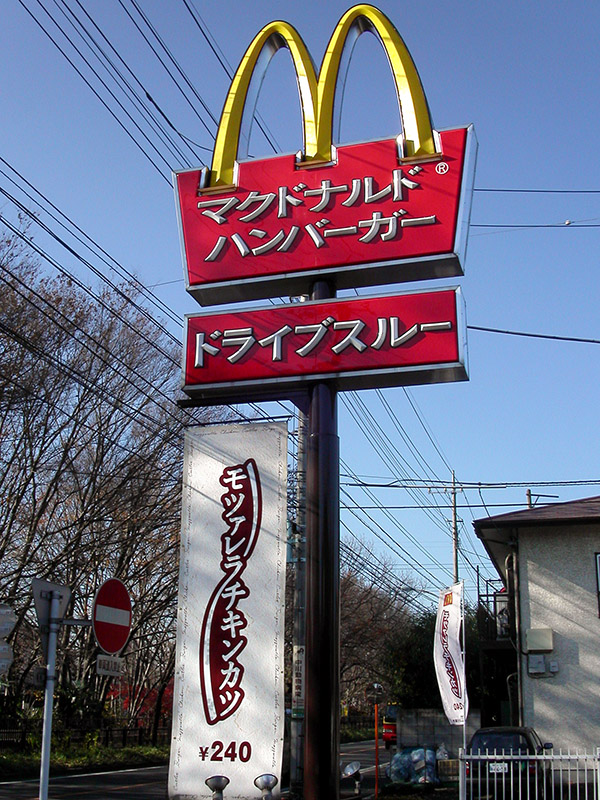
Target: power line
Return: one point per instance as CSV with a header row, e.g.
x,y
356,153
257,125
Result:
x,y
378,440
138,452
426,427
383,447
459,505
175,64
578,339
86,241
203,28
154,122
66,273
394,483
116,289
380,533
381,576
538,191
509,226
96,93
386,534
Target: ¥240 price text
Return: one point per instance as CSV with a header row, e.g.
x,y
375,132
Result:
x,y
219,751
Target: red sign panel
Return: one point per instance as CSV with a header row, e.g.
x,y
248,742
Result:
x,y
368,218
111,616
363,342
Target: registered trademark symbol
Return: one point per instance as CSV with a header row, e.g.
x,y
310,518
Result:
x,y
442,168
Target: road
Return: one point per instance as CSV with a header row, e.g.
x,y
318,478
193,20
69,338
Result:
x,y
132,784
365,753
150,783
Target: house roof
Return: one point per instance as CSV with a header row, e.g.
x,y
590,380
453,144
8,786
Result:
x,y
499,533
574,511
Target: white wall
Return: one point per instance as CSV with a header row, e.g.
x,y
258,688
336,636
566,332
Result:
x,y
558,590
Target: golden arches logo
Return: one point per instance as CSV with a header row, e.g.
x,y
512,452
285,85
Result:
x,y
317,95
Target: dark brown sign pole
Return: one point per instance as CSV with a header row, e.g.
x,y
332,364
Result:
x,y
322,706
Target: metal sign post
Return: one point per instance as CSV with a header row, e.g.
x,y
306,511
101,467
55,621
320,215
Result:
x,y
374,692
322,711
53,628
376,750
51,601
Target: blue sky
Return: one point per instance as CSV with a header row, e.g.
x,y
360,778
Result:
x,y
525,74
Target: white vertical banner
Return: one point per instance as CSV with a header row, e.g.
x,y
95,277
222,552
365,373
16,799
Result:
x,y
448,655
228,704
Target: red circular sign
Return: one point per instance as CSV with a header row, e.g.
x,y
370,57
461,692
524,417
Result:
x,y
111,616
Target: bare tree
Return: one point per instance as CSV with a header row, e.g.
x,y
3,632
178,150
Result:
x,y
373,602
90,471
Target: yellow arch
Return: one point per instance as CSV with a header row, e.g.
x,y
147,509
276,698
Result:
x,y
272,37
414,111
317,96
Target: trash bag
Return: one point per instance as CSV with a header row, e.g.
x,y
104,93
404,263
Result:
x,y
413,765
401,769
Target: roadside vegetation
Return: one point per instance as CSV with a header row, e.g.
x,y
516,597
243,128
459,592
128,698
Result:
x,y
21,765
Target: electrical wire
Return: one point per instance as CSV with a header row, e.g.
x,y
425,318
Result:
x,y
173,60
203,28
97,94
538,191
578,339
129,90
88,242
97,345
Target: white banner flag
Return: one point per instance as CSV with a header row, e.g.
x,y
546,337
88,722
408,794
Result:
x,y
447,655
228,704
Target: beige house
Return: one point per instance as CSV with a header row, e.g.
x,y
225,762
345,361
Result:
x,y
549,561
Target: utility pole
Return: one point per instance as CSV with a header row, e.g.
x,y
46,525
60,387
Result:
x,y
454,529
299,647
530,498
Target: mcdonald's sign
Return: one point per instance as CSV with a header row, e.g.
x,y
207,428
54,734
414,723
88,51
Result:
x,y
366,342
363,214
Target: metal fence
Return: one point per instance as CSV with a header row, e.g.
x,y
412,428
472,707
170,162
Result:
x,y
548,776
21,736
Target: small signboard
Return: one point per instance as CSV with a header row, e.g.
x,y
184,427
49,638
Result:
x,y
374,692
36,677
42,597
110,665
111,616
6,657
365,342
298,680
8,620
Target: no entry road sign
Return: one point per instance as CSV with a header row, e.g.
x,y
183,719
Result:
x,y
111,616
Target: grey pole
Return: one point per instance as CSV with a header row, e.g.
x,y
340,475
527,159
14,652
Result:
x,y
53,628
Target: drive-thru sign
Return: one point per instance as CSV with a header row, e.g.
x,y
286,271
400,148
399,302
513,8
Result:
x,y
111,616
